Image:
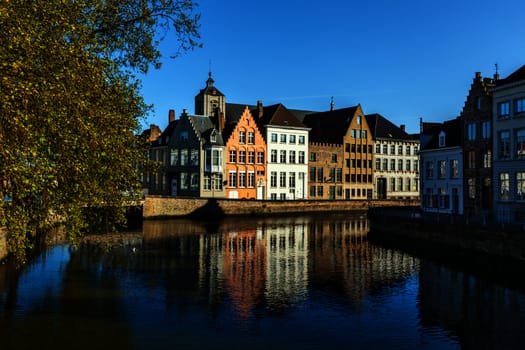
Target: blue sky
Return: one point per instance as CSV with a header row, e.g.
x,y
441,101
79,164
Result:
x,y
404,59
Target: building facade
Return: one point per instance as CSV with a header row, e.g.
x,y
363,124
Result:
x,y
509,149
477,156
325,174
396,160
441,158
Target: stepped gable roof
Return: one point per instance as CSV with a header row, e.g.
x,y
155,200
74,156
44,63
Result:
x,y
330,126
382,128
514,77
453,134
234,112
278,115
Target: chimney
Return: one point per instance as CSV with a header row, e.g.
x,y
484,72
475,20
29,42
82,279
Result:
x,y
171,115
478,75
221,120
260,108
402,127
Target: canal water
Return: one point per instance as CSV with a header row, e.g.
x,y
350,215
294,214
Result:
x,y
280,283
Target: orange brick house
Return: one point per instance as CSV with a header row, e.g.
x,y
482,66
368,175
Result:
x,y
245,157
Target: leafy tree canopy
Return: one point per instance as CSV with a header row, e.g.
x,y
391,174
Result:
x,y
70,107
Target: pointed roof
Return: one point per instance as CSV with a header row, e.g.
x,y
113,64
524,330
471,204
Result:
x,y
279,115
210,89
330,126
382,128
514,77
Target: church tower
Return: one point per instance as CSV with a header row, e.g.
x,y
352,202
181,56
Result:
x,y
209,99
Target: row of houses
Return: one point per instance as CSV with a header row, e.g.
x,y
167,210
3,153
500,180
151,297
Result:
x,y
242,151
474,165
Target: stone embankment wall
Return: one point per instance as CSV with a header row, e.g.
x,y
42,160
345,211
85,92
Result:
x,y
165,207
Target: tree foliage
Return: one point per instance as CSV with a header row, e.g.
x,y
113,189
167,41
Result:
x,y
70,106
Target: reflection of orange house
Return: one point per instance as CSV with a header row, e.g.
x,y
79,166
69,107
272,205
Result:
x,y
245,158
245,270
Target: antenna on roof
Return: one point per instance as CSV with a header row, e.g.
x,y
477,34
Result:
x,y
496,66
209,68
496,75
332,103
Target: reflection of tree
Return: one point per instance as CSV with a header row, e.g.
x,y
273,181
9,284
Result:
x,y
481,314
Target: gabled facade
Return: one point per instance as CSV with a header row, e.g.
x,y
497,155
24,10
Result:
x,y
477,156
286,149
396,160
509,149
245,158
441,159
346,127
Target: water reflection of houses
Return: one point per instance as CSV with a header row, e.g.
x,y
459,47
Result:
x,y
342,260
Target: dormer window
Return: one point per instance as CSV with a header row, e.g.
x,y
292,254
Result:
x,y
213,137
442,136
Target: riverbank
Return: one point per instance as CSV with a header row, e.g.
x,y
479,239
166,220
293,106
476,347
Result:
x,y
405,228
155,207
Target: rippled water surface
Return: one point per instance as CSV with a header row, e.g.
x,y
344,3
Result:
x,y
305,283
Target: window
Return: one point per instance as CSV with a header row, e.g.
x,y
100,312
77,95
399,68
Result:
x,y
478,103
251,137
194,181
233,156
504,144
301,139
407,186
442,139
400,164
392,149
207,183
503,109
392,184
520,143
274,138
442,169
273,196
485,130
363,134
504,186
312,174
313,156
194,157
378,148
487,159
370,164
385,164
251,157
283,138
370,149
407,150
184,136
183,181
353,133
416,165
242,157
232,182
292,139
273,156
400,184
400,149
520,186
472,159
378,164
292,157
519,105
282,179
184,157
174,155
282,156
242,179
358,120
273,179
339,175
312,191
301,157
392,164
319,191
430,170
407,164
334,158
454,168
353,148
291,180
471,131
354,161
332,175
385,149
260,157
251,179
320,176
471,188
242,137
